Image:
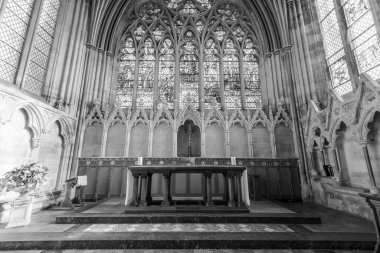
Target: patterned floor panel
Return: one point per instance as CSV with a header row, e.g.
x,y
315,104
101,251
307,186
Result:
x,y
196,228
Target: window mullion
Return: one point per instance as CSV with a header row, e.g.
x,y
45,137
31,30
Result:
x,y
350,57
177,79
135,84
201,85
28,44
156,73
375,9
242,82
3,3
221,76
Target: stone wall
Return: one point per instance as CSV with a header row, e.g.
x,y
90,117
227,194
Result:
x,y
33,131
144,133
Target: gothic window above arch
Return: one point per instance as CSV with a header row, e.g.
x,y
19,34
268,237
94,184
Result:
x,y
33,22
358,34
196,56
364,39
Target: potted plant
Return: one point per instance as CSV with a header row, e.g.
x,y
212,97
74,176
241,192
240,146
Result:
x,y
29,180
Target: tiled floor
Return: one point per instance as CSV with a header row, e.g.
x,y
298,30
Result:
x,y
335,226
190,228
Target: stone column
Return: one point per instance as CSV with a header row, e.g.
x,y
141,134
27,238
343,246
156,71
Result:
x,y
127,141
104,141
373,188
250,144
228,143
273,143
333,154
175,136
150,143
203,142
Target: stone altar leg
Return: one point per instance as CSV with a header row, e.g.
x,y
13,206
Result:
x,y
143,190
149,188
134,201
239,201
231,192
165,201
208,175
225,178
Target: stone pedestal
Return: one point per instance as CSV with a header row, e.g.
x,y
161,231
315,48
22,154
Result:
x,y
21,211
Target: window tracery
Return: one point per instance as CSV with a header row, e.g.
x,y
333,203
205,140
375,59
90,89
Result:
x,y
189,35
364,39
42,44
335,55
13,28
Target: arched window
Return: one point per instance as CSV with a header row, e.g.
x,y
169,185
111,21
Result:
x,y
13,28
362,40
17,24
335,54
42,44
188,36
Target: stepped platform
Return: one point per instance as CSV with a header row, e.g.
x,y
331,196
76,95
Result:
x,y
103,226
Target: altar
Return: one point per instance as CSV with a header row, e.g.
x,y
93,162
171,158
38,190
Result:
x,y
139,182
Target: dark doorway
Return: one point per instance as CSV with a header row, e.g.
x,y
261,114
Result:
x,y
189,140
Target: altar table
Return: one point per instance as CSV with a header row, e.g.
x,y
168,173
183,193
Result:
x,y
235,176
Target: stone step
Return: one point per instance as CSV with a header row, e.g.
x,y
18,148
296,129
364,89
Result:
x,y
108,240
256,218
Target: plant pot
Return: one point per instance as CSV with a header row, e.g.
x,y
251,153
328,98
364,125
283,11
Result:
x,y
21,211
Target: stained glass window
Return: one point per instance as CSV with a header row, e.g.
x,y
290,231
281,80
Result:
x,y
43,41
363,34
231,72
189,74
126,77
251,75
211,74
166,74
180,32
13,28
335,55
145,85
